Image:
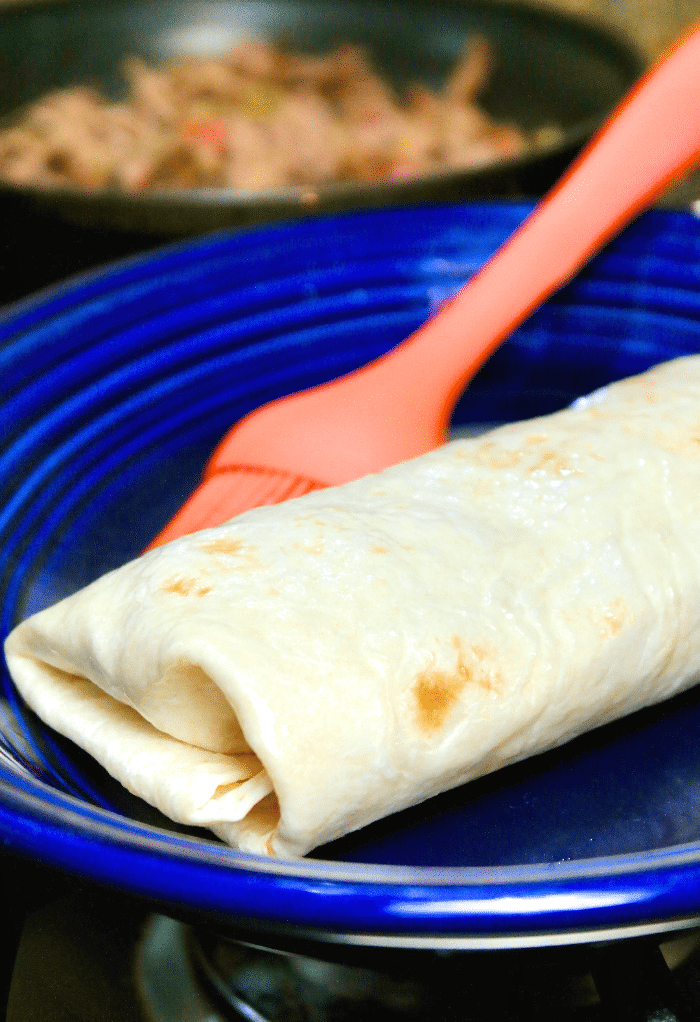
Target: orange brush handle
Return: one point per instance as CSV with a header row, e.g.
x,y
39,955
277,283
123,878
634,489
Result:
x,y
651,139
400,405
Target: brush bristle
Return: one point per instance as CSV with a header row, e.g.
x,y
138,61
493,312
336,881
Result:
x,y
230,493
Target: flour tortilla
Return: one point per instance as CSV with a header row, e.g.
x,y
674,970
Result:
x,y
308,668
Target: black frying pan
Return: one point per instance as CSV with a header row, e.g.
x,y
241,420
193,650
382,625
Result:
x,y
550,68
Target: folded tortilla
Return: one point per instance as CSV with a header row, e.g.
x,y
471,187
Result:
x,y
311,667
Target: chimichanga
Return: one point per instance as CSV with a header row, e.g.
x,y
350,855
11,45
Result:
x,y
310,667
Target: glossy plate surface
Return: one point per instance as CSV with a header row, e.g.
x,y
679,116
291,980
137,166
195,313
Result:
x,y
116,387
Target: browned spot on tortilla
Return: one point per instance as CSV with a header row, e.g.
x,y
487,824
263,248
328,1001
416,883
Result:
x,y
550,461
222,545
181,586
489,454
245,556
380,549
482,487
268,846
436,691
489,676
536,438
316,548
679,441
407,546
614,617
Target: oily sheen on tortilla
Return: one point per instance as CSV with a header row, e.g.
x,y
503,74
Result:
x,y
310,667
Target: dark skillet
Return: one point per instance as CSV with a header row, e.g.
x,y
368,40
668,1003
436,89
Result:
x,y
550,69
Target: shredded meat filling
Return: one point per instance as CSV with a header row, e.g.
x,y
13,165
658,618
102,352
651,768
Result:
x,y
257,117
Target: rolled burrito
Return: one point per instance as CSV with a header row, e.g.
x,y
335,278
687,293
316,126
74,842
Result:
x,y
310,667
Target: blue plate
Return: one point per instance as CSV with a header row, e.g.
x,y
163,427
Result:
x,y
117,386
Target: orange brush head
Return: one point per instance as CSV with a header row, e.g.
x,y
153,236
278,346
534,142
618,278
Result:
x,y
228,493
